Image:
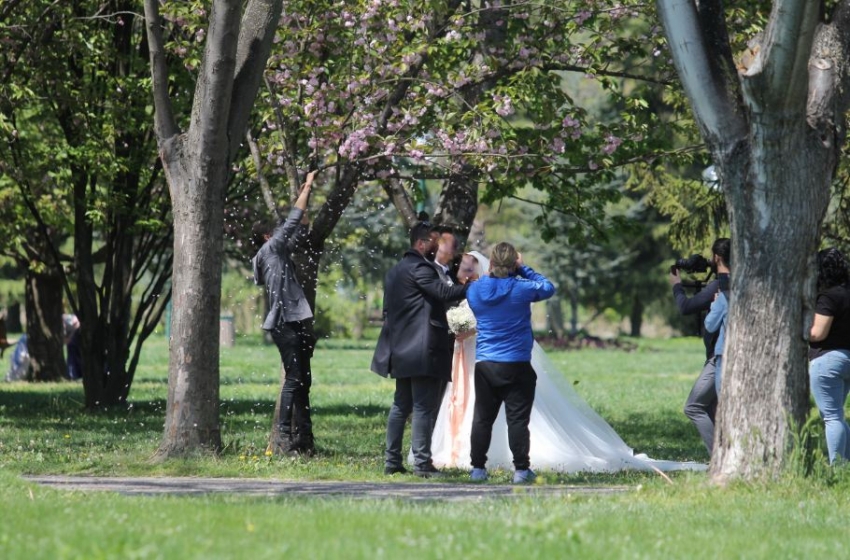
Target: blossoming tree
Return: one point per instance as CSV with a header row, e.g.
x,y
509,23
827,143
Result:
x,y
393,92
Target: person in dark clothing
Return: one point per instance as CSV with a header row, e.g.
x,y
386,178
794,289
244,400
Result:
x,y
415,348
829,351
701,404
289,321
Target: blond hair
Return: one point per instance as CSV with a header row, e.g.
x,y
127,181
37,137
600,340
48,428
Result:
x,y
503,260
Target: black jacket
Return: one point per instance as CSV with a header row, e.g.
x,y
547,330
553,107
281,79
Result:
x,y
699,303
415,339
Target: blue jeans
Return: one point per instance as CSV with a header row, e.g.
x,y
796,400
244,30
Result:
x,y
718,371
830,381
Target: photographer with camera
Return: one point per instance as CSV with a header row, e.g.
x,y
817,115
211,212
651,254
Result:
x,y
715,321
702,400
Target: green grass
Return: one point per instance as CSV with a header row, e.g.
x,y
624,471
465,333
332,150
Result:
x,y
43,429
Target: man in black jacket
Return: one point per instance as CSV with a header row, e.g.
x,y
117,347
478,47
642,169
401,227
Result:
x,y
702,401
415,348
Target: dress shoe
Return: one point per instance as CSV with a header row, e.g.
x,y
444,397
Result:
x,y
395,470
428,472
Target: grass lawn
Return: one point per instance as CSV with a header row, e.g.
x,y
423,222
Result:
x,y
44,430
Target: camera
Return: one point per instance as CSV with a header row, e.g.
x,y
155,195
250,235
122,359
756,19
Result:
x,y
695,264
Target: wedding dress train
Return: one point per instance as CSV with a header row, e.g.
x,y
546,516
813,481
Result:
x,y
566,434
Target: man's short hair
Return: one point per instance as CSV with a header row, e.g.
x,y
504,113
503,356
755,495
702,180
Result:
x,y
259,230
723,248
503,259
421,230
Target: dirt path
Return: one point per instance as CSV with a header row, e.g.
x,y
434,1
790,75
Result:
x,y
266,487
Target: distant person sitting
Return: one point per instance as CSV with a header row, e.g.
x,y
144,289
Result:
x,y
71,336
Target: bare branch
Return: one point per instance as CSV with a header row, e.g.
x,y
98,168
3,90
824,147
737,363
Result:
x,y
266,189
401,201
164,122
704,78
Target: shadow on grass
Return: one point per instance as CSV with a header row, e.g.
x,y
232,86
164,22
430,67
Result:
x,y
662,435
353,430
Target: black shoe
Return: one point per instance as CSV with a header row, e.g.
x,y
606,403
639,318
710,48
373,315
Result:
x,y
429,472
306,446
394,470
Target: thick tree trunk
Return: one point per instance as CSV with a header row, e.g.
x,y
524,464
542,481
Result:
x,y
458,205
13,318
192,414
44,325
776,202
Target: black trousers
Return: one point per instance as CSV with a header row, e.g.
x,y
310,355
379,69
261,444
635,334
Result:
x,y
295,342
512,383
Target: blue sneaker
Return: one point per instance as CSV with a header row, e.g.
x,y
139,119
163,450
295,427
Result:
x,y
478,475
524,477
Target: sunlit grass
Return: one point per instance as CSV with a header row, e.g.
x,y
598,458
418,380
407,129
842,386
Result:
x,y
45,430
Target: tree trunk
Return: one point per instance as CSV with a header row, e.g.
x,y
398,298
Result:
x,y
13,318
775,220
636,316
458,204
192,414
44,325
555,317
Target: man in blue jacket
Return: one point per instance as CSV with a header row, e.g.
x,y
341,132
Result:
x,y
501,303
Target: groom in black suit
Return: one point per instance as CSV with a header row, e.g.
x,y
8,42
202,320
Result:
x,y
415,348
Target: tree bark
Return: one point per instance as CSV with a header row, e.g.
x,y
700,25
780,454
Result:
x,y
764,395
192,411
197,166
44,325
776,153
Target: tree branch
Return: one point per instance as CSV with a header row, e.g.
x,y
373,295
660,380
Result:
x,y
268,196
215,89
259,23
715,104
401,200
164,122
776,76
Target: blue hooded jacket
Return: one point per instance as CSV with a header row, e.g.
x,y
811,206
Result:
x,y
502,308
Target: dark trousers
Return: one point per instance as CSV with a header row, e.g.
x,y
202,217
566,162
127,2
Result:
x,y
421,397
512,383
702,404
295,342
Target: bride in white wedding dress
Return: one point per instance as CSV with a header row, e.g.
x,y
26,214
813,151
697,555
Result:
x,y
566,434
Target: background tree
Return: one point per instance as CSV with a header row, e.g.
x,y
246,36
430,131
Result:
x,y
773,121
79,164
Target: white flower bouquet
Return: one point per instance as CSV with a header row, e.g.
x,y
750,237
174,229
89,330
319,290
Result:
x,y
461,319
